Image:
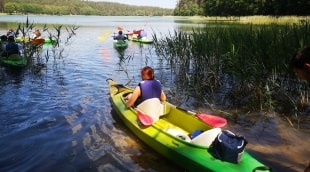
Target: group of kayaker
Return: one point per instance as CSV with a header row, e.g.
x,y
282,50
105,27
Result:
x,y
9,45
137,34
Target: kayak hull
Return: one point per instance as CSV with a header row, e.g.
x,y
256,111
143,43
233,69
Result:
x,y
120,44
35,41
169,136
14,60
141,40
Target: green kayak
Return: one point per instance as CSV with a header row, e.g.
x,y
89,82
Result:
x,y
121,45
49,41
41,40
143,40
169,132
14,60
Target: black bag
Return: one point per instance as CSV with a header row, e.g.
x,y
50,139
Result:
x,y
228,147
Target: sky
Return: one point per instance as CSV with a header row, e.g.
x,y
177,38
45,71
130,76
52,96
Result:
x,y
156,3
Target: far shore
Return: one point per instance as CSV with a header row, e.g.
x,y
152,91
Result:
x,y
236,19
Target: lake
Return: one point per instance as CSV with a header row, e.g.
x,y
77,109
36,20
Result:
x,y
61,119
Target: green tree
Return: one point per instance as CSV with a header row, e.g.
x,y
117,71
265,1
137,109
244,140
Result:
x,y
10,7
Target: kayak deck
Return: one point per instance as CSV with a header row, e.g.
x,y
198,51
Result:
x,y
120,44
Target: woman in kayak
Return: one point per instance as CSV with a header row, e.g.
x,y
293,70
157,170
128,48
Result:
x,y
148,88
300,63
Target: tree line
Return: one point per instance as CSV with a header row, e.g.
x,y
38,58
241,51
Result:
x,y
79,7
183,8
242,7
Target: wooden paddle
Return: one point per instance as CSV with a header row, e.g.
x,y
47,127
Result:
x,y
144,119
211,120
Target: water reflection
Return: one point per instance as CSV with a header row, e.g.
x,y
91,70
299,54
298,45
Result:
x,y
12,75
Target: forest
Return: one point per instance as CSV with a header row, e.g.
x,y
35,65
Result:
x,y
183,8
79,7
242,7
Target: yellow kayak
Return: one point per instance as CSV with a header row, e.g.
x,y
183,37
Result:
x,y
168,133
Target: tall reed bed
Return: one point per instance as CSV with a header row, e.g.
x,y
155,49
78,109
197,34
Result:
x,y
238,65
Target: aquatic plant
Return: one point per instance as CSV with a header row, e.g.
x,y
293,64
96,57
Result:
x,y
34,52
238,65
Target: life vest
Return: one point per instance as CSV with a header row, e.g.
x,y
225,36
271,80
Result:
x,y
150,89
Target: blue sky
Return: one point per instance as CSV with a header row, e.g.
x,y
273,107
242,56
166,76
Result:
x,y
156,3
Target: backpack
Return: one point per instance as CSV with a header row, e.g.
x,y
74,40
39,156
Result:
x,y
228,146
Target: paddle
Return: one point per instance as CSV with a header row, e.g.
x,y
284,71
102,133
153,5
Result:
x,y
38,41
144,119
103,37
211,120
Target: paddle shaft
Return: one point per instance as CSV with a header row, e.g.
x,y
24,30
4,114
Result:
x,y
191,112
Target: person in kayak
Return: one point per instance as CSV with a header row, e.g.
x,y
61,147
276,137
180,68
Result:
x,y
136,33
4,41
142,34
36,34
300,63
120,36
11,32
11,47
148,88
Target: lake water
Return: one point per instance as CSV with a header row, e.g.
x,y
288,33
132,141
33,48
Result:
x,y
61,119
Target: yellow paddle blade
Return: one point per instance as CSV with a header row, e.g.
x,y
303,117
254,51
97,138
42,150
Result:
x,y
102,38
106,32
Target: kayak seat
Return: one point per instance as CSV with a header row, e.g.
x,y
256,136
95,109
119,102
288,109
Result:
x,y
178,133
207,137
164,109
152,107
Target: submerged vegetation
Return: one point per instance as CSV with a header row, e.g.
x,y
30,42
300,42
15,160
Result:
x,y
239,66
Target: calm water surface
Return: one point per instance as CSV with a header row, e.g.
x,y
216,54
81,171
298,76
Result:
x,y
61,119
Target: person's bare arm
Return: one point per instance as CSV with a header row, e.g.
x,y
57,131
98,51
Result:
x,y
163,96
132,99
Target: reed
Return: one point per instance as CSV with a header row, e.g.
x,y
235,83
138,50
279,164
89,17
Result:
x,y
38,58
237,65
